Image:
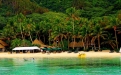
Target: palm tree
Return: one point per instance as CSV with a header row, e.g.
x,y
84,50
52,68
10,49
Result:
x,y
19,23
114,24
45,26
8,31
68,30
16,43
99,32
73,15
30,27
85,32
59,29
52,22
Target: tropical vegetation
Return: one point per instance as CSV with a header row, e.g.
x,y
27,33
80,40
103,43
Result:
x,y
95,23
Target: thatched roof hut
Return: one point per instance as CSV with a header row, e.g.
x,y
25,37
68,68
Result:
x,y
39,42
54,44
3,43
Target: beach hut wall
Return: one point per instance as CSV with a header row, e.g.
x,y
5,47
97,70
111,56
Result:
x,y
3,43
73,44
55,44
80,44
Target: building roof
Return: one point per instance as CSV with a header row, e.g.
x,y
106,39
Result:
x,y
26,48
1,46
38,42
3,43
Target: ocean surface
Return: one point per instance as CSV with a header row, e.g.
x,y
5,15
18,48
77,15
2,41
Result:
x,y
60,66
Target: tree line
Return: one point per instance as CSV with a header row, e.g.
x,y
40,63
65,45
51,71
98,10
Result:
x,y
75,20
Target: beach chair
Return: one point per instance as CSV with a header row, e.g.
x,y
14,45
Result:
x,y
48,50
54,49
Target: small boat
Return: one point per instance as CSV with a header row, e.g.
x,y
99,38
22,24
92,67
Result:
x,y
82,55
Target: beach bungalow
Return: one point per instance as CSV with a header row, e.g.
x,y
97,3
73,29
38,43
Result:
x,y
76,45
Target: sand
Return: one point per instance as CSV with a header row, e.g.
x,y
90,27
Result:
x,y
56,55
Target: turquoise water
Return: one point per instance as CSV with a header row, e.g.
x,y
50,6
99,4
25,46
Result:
x,y
60,66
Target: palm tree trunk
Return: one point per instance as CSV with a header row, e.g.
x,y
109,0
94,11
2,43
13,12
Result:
x,y
116,39
87,41
44,38
68,42
74,42
98,41
73,26
21,32
49,38
84,43
73,34
62,43
30,36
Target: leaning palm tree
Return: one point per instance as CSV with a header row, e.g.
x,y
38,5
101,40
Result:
x,y
110,40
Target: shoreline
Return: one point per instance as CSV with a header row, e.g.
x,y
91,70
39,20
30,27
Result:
x,y
58,55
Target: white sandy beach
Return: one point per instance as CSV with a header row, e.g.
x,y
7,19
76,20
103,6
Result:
x,y
62,54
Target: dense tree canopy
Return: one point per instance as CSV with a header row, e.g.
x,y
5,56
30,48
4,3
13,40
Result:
x,y
62,20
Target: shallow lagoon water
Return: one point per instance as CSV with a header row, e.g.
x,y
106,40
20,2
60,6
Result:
x,y
60,66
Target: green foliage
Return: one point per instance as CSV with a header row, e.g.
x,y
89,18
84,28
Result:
x,y
30,19
53,22
18,43
20,6
2,22
110,40
55,5
65,45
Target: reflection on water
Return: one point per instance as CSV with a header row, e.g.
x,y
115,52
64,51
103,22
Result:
x,y
60,66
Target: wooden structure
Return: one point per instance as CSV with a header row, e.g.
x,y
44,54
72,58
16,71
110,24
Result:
x,y
80,44
73,44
